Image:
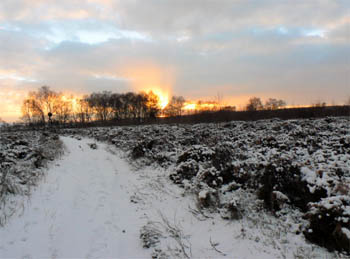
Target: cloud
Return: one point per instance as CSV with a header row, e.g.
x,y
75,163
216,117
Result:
x,y
295,50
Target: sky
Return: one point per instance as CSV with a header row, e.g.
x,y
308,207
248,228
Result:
x,y
295,50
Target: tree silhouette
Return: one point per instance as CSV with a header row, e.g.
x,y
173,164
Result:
x,y
254,104
274,104
152,105
175,106
39,105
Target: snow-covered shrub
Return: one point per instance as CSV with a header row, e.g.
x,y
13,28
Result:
x,y
231,210
288,180
329,223
208,198
22,158
291,163
185,170
210,176
138,151
222,161
7,183
198,153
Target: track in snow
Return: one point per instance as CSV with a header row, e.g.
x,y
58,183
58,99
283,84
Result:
x,y
81,210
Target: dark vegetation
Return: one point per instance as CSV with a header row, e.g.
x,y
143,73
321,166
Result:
x,y
283,114
199,117
296,165
23,155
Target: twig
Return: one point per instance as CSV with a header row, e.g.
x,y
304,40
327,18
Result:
x,y
197,213
214,245
176,234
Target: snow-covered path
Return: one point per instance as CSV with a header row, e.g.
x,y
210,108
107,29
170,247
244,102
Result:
x,y
81,210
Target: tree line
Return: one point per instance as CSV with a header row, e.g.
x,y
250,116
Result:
x,y
46,105
255,104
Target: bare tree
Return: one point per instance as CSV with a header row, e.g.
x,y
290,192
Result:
x,y
153,107
141,105
32,111
39,104
116,103
131,100
175,106
254,104
101,103
47,98
125,108
129,105
83,112
27,115
274,104
63,108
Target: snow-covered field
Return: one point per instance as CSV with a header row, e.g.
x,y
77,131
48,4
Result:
x,y
231,190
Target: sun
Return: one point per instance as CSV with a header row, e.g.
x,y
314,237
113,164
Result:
x,y
147,76
163,97
163,101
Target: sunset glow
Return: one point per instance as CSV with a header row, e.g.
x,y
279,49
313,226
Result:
x,y
232,48
163,97
189,106
200,106
146,77
73,100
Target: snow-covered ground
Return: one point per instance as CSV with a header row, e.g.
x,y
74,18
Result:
x,y
93,204
297,167
82,209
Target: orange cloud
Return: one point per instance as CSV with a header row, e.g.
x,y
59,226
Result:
x,y
10,104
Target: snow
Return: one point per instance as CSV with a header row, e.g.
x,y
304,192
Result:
x,y
81,211
210,156
346,232
93,204
308,175
280,196
203,194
